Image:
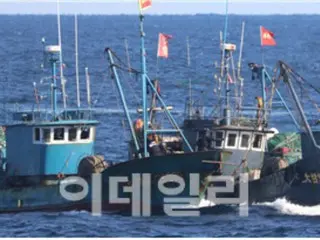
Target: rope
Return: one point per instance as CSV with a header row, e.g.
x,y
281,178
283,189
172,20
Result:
x,y
60,174
301,82
100,91
125,67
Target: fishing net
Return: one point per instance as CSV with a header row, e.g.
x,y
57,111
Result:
x,y
288,145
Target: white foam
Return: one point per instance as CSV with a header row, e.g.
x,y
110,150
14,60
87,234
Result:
x,y
200,204
75,212
286,207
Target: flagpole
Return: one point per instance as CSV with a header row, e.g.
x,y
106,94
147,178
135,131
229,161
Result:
x,y
157,64
144,83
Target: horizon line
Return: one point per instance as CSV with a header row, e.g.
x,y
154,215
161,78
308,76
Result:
x,y
156,14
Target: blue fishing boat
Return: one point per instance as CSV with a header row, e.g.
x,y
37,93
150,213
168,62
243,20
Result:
x,y
43,147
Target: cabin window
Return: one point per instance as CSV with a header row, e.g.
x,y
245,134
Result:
x,y
218,139
58,134
245,141
37,134
85,133
232,140
257,142
73,134
46,135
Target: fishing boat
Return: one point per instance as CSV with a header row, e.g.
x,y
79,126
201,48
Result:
x,y
157,161
41,147
267,156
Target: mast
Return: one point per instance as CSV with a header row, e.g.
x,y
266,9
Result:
x,y
146,80
60,57
52,51
227,111
264,96
144,85
190,86
77,59
54,87
88,87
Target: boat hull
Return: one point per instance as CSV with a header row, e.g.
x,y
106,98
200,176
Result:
x,y
288,182
183,172
37,198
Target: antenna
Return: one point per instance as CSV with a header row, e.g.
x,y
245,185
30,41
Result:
x,y
239,65
88,87
60,57
52,51
190,86
77,59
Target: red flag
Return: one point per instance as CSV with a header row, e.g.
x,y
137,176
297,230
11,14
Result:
x,y
163,50
267,37
144,4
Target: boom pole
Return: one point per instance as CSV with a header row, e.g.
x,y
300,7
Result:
x,y
124,103
284,73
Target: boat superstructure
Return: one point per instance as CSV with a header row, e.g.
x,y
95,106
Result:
x,y
246,135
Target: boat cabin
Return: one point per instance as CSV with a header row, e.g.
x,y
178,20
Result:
x,y
48,148
241,141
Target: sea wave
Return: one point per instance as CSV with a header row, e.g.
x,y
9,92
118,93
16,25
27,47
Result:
x,y
285,207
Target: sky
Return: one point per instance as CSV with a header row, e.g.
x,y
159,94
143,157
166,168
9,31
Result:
x,y
161,7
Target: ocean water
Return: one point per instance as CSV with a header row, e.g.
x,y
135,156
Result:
x,y
21,56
